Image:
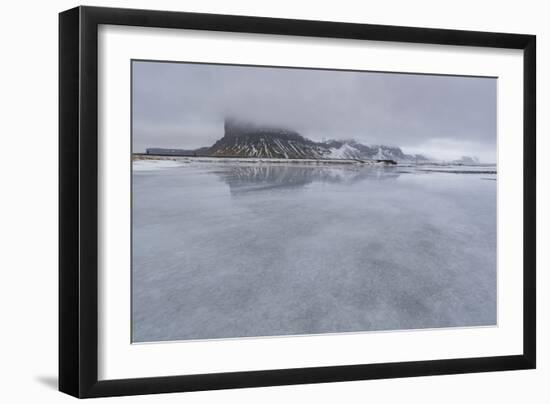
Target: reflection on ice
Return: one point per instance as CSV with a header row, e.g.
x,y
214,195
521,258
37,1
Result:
x,y
258,177
230,250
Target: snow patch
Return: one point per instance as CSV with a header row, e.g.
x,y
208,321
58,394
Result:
x,y
152,165
345,151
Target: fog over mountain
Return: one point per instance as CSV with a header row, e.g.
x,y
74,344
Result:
x,y
182,105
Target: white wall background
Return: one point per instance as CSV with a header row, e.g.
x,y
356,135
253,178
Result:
x,y
28,199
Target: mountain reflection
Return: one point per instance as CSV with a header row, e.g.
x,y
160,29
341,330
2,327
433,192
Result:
x,y
254,178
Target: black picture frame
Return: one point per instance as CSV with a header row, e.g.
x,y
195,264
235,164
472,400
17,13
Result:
x,y
78,201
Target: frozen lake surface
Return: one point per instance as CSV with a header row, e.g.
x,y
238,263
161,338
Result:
x,y
236,250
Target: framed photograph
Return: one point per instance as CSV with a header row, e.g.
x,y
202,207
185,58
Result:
x,y
251,201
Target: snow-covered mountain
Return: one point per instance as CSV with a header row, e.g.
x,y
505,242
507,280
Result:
x,y
466,161
245,139
350,149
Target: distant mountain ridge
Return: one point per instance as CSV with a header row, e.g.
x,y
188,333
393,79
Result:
x,y
352,149
245,139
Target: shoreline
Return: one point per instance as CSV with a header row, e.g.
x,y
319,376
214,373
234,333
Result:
x,y
210,159
425,168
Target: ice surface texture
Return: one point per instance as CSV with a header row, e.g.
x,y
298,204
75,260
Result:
x,y
236,250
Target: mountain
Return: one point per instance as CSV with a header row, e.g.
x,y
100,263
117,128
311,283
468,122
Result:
x,y
350,149
245,139
466,161
242,139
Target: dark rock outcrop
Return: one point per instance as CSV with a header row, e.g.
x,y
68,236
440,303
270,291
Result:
x,y
242,139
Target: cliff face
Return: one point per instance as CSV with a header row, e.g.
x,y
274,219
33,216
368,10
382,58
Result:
x,y
242,139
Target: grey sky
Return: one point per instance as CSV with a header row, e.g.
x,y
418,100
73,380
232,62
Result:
x,y
182,105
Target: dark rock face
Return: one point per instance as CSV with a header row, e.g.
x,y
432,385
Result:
x,y
243,139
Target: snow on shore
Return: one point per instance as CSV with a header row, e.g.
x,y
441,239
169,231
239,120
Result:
x,y
152,165
179,160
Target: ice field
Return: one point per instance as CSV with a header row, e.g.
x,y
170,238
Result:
x,y
224,250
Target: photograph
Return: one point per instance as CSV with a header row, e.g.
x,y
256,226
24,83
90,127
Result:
x,y
276,201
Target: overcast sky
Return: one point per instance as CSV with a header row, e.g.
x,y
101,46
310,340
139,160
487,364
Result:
x,y
183,105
